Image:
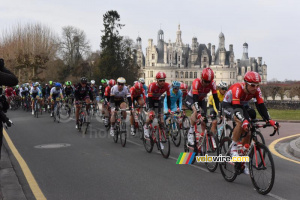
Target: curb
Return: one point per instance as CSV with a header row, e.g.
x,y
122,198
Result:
x,y
294,147
10,187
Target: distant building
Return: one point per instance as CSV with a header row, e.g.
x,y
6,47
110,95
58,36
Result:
x,y
184,63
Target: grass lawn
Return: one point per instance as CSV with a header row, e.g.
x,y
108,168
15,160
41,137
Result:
x,y
277,114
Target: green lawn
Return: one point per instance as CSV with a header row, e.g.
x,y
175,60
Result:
x,y
278,114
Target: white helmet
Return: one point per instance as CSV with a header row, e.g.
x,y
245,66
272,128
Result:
x,y
92,82
222,84
141,80
121,80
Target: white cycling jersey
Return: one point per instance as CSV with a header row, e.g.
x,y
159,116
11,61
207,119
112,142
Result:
x,y
53,91
119,95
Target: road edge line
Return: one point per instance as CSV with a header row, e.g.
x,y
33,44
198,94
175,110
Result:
x,y
273,150
37,192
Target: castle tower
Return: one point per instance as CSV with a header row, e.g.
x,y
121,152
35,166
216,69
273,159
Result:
x,y
245,52
160,46
178,37
213,54
221,41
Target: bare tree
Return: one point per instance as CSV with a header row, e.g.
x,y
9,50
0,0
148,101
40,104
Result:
x,y
27,50
74,47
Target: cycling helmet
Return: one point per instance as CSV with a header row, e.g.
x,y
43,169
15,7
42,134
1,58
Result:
x,y
68,83
57,85
103,81
183,86
252,77
50,82
222,85
17,86
83,80
34,85
92,82
138,85
161,75
142,80
111,82
121,80
176,84
207,74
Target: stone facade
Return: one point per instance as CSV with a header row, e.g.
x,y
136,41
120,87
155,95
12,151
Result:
x,y
184,63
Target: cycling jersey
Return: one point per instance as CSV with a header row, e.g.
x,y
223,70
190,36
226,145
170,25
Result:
x,y
220,97
24,92
202,91
174,98
9,92
236,95
135,94
35,92
54,93
69,91
119,95
146,89
155,91
82,93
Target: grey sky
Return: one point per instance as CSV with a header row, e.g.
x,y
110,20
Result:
x,y
270,27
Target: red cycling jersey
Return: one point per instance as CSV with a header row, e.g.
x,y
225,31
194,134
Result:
x,y
9,92
107,91
184,93
155,91
202,91
237,96
135,94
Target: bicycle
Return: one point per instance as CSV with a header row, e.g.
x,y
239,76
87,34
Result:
x,y
120,128
260,158
172,124
36,107
158,135
84,118
209,144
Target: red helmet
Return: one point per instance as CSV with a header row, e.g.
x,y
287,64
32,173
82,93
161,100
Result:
x,y
161,75
138,86
111,82
252,77
183,86
207,74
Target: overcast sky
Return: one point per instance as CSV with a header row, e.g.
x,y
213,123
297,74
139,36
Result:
x,y
270,27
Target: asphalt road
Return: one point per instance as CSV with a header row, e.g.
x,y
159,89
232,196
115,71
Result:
x,y
94,167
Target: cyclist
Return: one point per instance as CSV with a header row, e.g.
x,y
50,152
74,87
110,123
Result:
x,y
55,92
69,90
117,100
105,105
156,89
9,93
94,91
138,96
222,88
196,99
83,92
238,95
24,91
102,87
176,96
35,92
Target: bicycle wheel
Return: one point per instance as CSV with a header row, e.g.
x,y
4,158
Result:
x,y
176,135
163,142
123,133
36,110
117,131
227,168
58,114
148,142
141,125
210,147
262,169
228,132
260,138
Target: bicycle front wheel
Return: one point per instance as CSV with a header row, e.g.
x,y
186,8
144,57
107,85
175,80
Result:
x,y
163,142
175,134
210,147
117,131
227,168
123,133
148,143
262,169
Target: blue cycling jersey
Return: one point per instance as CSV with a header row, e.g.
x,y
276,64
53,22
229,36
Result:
x,y
174,98
146,89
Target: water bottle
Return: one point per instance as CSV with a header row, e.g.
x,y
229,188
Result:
x,y
246,149
240,148
220,130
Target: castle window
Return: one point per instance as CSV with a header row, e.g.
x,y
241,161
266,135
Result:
x,y
176,74
153,64
191,74
195,74
233,74
204,59
151,73
178,58
181,74
230,74
153,56
178,65
186,75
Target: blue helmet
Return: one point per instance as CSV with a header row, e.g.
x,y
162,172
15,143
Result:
x,y
57,85
176,84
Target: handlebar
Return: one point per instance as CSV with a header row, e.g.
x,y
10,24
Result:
x,y
267,124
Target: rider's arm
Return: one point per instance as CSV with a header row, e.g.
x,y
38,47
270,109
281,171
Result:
x,y
216,99
91,94
263,111
240,112
180,100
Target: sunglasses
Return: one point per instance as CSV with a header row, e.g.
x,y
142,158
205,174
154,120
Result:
x,y
253,85
121,84
223,88
207,82
161,80
176,88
